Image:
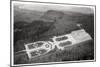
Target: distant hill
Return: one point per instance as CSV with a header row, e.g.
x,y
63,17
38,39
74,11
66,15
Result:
x,y
66,21
52,16
63,23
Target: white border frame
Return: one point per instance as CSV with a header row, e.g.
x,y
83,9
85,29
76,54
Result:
x,y
11,34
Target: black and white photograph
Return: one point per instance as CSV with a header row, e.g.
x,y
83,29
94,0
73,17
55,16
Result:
x,y
50,33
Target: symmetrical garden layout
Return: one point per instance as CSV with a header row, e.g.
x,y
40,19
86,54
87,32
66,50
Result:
x,y
39,48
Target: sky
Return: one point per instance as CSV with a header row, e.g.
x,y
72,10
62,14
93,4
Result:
x,y
48,6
